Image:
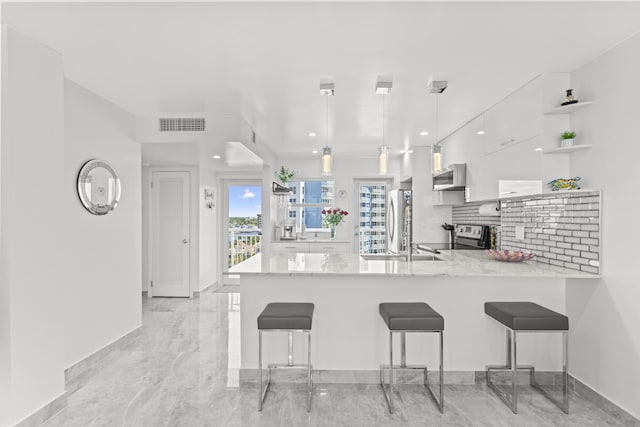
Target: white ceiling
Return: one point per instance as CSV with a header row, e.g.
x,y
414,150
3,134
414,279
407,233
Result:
x,y
265,61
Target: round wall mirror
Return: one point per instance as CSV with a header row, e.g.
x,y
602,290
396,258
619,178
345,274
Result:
x,y
98,187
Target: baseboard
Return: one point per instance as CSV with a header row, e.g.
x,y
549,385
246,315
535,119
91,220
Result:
x,y
209,288
602,402
77,374
249,376
46,412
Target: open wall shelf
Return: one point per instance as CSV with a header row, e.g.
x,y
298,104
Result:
x,y
561,150
568,109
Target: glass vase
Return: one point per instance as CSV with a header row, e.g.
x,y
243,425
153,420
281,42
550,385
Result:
x,y
333,231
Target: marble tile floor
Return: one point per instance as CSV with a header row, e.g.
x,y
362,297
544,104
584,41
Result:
x,y
183,370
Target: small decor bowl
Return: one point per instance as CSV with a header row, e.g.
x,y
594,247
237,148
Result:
x,y
509,256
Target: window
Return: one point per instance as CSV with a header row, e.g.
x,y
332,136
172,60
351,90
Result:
x,y
372,216
315,195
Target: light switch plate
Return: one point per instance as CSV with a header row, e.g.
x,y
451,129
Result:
x,y
519,232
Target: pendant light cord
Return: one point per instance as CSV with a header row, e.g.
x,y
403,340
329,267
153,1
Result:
x,y
383,116
436,120
327,110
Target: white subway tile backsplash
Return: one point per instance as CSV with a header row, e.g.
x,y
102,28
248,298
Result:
x,y
561,229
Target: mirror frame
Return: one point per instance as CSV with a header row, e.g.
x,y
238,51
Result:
x,y
83,175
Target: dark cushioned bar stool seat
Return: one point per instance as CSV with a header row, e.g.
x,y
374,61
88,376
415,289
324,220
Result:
x,y
526,316
287,317
411,316
523,317
403,317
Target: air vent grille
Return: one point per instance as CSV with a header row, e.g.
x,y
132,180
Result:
x,y
182,124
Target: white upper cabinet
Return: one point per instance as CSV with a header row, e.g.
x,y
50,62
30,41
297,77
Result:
x,y
515,119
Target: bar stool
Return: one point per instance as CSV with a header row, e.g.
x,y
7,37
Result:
x,y
528,317
287,317
403,317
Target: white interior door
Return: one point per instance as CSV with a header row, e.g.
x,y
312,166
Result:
x,y
170,270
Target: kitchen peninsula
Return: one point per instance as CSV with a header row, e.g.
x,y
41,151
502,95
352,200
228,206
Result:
x,y
348,333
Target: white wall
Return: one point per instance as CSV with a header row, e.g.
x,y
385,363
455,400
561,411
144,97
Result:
x,y
34,269
427,218
605,316
102,253
208,218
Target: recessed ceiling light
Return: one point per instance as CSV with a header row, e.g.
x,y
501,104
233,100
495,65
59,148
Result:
x,y
216,157
480,132
424,133
537,149
315,152
312,134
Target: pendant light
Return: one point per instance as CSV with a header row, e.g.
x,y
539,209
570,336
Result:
x,y
327,89
383,88
436,87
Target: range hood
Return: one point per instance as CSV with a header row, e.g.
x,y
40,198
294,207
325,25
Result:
x,y
452,179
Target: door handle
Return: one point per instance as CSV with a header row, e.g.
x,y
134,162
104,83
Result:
x,y
185,241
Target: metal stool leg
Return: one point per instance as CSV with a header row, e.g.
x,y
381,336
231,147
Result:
x,y
564,406
438,400
262,392
388,388
511,365
309,373
388,396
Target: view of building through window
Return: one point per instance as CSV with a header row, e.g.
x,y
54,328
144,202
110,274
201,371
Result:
x,y
307,199
245,222
372,217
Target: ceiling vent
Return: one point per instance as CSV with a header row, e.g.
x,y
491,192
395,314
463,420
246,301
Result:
x,y
182,124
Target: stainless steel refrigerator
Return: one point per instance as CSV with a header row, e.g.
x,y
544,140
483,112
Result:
x,y
398,220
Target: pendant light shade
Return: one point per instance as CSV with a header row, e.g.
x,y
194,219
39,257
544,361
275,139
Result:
x,y
383,160
327,161
327,89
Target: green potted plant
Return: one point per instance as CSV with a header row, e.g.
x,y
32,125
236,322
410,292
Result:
x,y
284,175
567,138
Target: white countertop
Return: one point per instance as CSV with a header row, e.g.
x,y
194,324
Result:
x,y
454,264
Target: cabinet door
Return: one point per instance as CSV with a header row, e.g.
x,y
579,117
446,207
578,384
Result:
x,y
515,119
290,247
444,198
329,247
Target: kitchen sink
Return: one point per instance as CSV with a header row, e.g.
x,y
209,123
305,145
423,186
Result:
x,y
399,257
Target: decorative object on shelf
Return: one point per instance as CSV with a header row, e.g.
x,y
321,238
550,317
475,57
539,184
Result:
x,y
285,175
333,217
278,189
383,88
569,98
208,198
508,255
567,138
98,187
565,184
327,89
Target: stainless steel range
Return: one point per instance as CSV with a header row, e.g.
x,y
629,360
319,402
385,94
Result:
x,y
472,236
